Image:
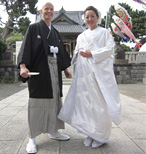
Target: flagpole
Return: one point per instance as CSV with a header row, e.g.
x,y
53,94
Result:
x,y
106,14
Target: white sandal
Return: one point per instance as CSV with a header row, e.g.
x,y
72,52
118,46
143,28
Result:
x,y
96,144
88,142
59,136
31,148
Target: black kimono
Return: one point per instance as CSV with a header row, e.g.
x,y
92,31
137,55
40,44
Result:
x,y
34,54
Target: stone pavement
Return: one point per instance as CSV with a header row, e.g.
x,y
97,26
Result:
x,y
127,138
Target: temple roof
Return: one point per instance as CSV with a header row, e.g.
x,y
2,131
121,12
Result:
x,y
67,21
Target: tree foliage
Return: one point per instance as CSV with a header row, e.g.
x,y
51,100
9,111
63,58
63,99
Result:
x,y
139,23
3,47
15,10
13,37
1,30
22,25
126,48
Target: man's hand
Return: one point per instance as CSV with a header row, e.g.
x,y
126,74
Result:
x,y
67,74
24,71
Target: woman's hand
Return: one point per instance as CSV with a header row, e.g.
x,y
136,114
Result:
x,y
86,53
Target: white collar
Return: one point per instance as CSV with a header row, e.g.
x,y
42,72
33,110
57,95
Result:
x,y
49,27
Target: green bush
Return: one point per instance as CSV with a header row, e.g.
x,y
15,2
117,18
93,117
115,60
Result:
x,y
13,37
126,48
1,30
6,79
3,47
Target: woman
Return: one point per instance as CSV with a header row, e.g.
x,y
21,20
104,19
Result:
x,y
93,99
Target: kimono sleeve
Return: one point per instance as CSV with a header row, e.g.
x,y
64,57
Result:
x,y
75,53
24,56
106,49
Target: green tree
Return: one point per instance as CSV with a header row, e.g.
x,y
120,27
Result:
x,y
23,25
139,23
126,48
16,9
13,37
103,21
3,47
1,30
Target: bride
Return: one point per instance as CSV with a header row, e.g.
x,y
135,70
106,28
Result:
x,y
93,101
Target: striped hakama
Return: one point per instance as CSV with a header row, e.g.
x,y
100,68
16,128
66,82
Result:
x,y
42,113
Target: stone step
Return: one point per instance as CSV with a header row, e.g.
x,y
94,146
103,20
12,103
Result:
x,y
67,83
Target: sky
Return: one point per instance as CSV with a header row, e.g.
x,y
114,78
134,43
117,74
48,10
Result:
x,y
79,5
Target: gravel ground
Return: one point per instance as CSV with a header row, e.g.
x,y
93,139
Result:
x,y
137,91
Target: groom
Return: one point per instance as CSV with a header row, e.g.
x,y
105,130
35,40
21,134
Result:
x,y
43,51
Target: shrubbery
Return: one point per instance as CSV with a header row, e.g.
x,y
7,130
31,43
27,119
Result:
x,y
6,79
3,47
126,48
13,37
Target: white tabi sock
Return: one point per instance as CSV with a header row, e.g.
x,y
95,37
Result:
x,y
31,141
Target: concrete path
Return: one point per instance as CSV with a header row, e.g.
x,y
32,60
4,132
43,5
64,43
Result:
x,y
127,138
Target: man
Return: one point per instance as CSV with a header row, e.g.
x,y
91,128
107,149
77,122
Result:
x,y
42,51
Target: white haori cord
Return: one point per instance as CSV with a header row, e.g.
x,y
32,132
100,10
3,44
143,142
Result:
x,y
54,50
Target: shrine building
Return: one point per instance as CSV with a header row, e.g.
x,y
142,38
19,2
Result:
x,y
69,25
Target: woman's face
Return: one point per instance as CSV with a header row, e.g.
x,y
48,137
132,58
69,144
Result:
x,y
91,19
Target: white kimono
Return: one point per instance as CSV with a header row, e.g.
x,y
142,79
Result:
x,y
93,99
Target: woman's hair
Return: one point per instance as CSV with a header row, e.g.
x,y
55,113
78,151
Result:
x,y
98,14
93,9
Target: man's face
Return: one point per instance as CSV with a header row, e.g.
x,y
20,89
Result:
x,y
47,12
